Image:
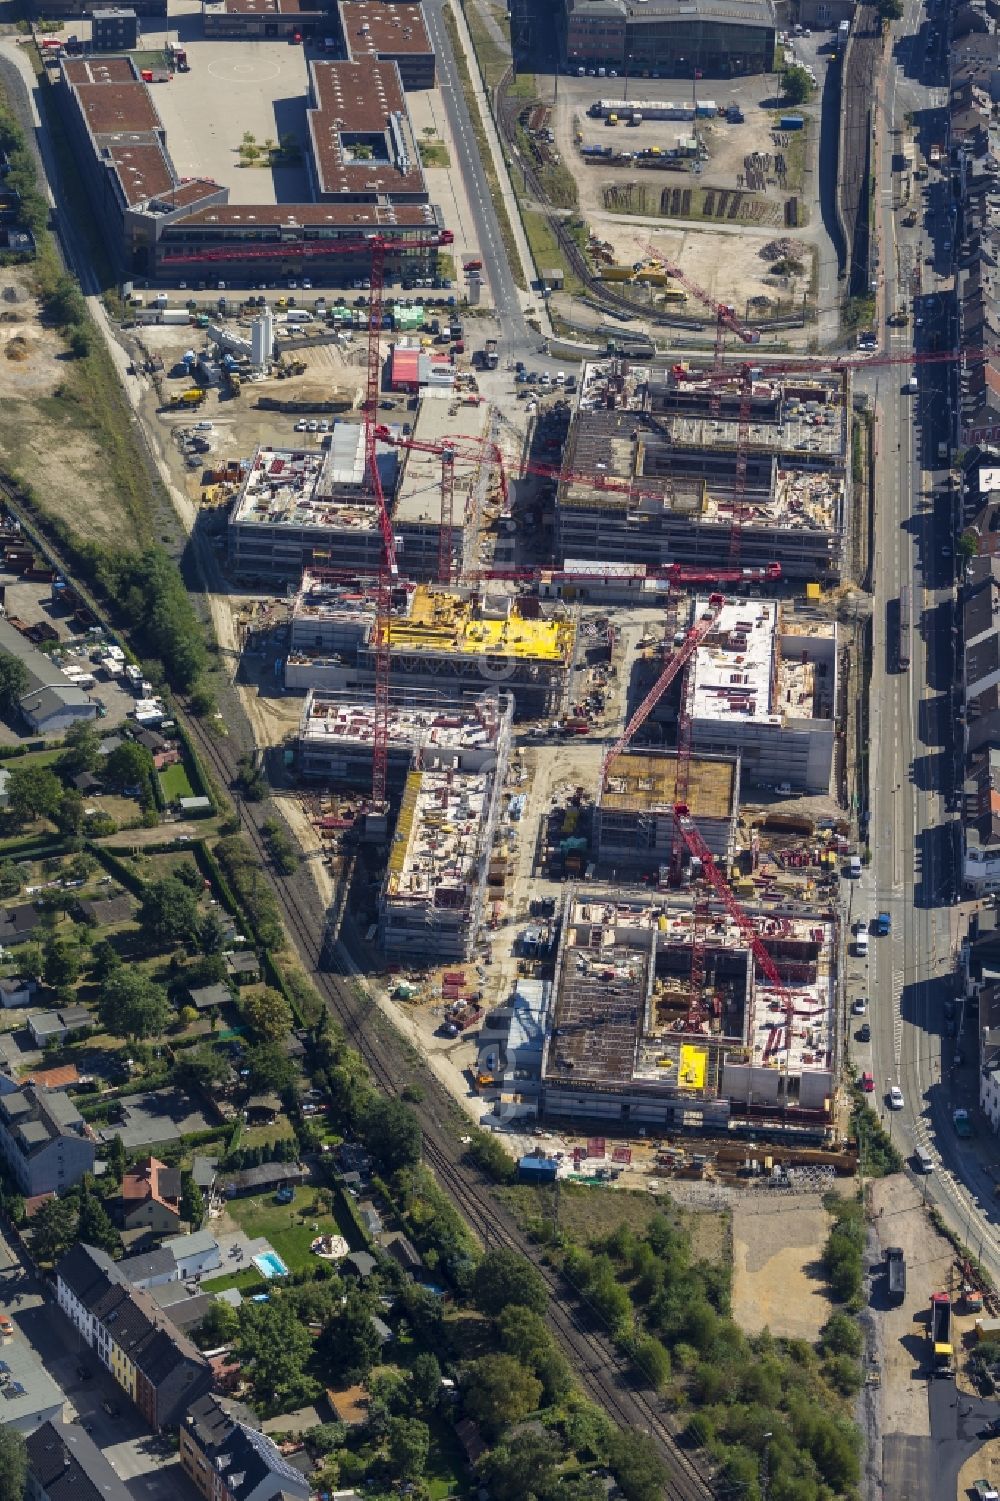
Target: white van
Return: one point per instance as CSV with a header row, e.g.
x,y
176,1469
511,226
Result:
x,y
923,1159
854,867
861,944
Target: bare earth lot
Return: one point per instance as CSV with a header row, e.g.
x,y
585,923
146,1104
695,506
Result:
x,y
777,1273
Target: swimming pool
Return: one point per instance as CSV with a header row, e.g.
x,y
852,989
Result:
x,y
270,1264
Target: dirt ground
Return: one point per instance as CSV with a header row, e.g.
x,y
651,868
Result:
x,y
727,263
984,1465
900,1220
777,1277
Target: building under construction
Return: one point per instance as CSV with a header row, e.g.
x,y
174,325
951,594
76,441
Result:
x,y
456,643
651,472
634,830
765,689
301,508
630,1043
336,738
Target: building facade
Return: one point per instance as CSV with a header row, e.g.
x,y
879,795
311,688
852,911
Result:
x,y
158,1368
45,1144
227,1460
670,38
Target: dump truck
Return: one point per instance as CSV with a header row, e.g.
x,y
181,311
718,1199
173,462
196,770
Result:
x,y
191,398
491,354
895,1269
939,1334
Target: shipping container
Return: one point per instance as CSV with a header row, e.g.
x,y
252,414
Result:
x,y
537,1170
791,122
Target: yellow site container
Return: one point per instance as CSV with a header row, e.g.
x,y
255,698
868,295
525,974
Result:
x,y
814,591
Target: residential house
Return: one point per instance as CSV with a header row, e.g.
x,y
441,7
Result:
x,y
55,1026
262,1109
195,1254
243,968
209,997
989,1048
107,913
404,1253
358,1264
64,1464
370,1218
87,784
264,1179
16,990
155,1365
981,823
44,1142
55,1078
204,1171
151,1197
18,923
4,787
229,1460
149,1269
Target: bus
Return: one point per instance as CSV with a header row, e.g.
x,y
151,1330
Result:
x,y
905,628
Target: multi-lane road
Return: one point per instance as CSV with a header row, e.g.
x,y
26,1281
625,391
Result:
x,y
912,973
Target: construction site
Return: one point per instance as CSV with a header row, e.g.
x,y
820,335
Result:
x,y
671,470
660,1018
457,642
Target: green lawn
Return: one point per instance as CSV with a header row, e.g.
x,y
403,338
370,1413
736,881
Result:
x,y
249,1280
175,782
445,1473
289,1227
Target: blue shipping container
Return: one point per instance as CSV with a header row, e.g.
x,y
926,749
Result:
x,y
537,1170
791,122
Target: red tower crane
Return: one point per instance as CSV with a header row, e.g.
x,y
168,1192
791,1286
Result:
x,y
683,654
699,850
373,246
726,320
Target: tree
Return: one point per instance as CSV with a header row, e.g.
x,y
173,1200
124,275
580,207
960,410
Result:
x,y
130,1005
268,1013
130,765
269,1068
168,914
201,1067
522,1333
968,546
61,963
392,1134
95,1227
13,1464
504,1279
351,1341
276,1347
33,792
13,681
639,1470
53,1229
408,1441
192,1202
499,1392
796,85
104,960
117,1160
211,935
425,1379
80,749
11,879
889,10
83,865
30,960
524,1466
220,1326
70,814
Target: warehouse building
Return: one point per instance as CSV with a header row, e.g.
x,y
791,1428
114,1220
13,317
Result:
x,y
454,642
634,831
629,1042
337,737
157,224
670,38
650,473
373,31
52,703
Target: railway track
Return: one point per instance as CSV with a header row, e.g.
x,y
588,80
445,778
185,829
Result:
x,y
857,105
601,1370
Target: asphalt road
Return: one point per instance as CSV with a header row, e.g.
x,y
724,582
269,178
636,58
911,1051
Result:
x,y
913,835
519,341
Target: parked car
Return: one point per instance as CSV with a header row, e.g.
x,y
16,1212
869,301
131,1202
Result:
x,y
868,1082
895,1100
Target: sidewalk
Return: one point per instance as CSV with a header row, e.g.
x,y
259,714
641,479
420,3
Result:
x,y
527,299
